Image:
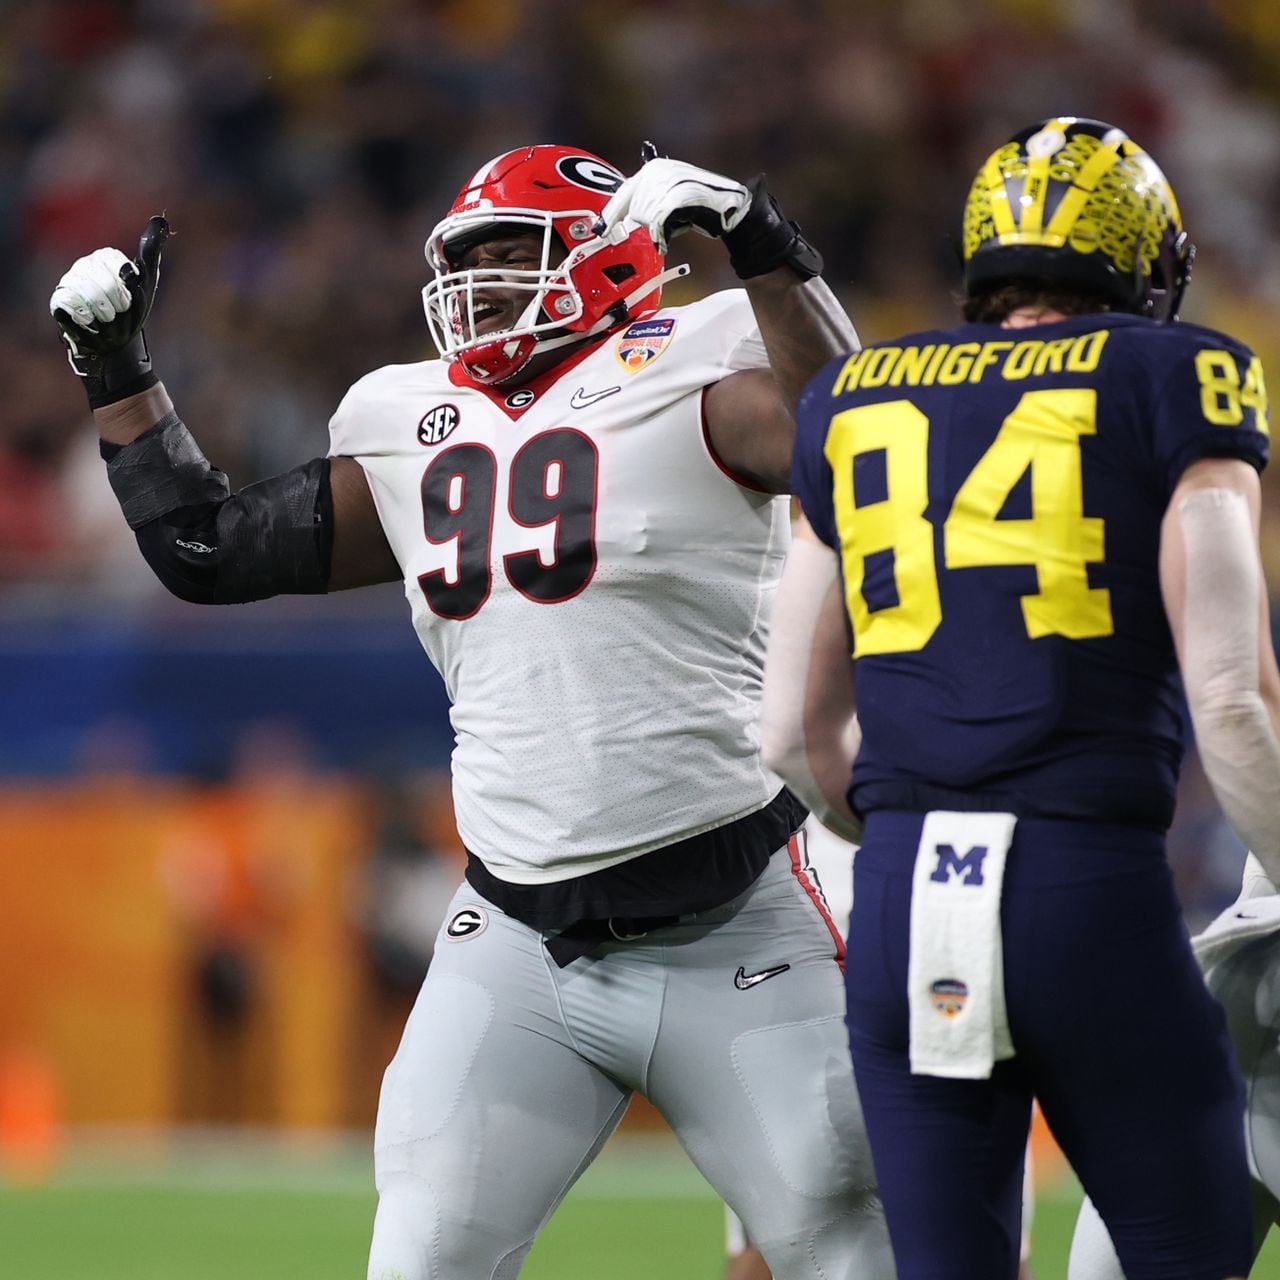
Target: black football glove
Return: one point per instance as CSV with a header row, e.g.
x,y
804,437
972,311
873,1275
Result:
x,y
100,306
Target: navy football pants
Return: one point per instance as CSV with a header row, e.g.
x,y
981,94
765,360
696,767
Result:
x,y
1115,1035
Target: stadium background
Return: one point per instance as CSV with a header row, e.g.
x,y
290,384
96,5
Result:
x,y
218,828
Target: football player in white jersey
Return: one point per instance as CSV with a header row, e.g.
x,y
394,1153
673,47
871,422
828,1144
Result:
x,y
582,500
1240,955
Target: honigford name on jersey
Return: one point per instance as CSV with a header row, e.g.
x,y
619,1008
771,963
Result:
x,y
947,364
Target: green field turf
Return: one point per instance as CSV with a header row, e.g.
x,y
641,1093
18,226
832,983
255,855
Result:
x,y
213,1211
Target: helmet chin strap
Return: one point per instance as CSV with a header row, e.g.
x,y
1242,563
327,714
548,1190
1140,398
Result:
x,y
566,338
671,273
609,321
641,291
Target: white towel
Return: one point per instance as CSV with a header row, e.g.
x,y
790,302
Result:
x,y
955,973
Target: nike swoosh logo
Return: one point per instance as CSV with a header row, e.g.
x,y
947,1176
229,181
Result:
x,y
582,398
744,981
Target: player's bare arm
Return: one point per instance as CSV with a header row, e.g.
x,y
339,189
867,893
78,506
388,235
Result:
x,y
809,725
803,326
748,413
361,554
1216,600
311,530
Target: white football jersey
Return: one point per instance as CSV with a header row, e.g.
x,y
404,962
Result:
x,y
590,582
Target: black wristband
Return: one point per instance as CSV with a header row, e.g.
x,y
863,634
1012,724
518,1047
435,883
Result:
x,y
764,240
117,374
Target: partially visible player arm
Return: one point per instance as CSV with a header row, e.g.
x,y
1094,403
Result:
x,y
809,726
748,413
310,530
748,1264
1216,600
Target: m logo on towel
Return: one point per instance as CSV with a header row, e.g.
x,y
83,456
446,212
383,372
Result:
x,y
951,866
958,1022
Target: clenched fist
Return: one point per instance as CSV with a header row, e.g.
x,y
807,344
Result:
x,y
670,196
100,306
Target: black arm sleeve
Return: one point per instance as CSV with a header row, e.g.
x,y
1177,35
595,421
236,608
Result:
x,y
209,545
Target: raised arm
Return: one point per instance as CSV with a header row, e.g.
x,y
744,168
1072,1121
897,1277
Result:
x,y
809,725
749,413
310,530
1216,601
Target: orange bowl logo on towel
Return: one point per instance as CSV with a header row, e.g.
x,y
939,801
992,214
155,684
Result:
x,y
949,996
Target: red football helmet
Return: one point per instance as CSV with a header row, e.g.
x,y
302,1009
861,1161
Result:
x,y
584,285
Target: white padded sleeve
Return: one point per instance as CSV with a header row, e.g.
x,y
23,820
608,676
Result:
x,y
791,746
1234,732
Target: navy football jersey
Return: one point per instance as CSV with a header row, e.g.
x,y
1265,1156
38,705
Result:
x,y
995,496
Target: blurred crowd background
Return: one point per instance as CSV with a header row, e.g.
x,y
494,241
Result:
x,y
225,834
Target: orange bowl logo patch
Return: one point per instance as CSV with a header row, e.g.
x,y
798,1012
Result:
x,y
643,342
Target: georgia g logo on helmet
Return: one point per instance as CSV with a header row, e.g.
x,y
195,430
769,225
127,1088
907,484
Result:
x,y
589,172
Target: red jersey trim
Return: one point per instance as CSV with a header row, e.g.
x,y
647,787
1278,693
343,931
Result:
x,y
733,475
499,396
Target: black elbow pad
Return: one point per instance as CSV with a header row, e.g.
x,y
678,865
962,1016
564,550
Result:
x,y
271,538
209,545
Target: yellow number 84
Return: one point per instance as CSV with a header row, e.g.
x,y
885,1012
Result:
x,y
1042,434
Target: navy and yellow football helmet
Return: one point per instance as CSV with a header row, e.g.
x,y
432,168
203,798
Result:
x,y
1077,202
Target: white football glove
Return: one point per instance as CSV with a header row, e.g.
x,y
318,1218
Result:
x,y
93,291
670,196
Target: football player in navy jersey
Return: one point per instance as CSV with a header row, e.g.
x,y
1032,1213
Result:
x,y
1021,528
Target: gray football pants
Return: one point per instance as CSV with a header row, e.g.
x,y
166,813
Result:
x,y
512,1073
